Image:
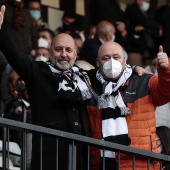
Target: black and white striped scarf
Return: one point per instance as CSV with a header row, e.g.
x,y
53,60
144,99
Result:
x,y
72,83
114,109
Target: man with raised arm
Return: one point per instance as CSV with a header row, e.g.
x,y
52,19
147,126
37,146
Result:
x,y
58,91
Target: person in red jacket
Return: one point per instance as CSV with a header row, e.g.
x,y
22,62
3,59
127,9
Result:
x,y
123,94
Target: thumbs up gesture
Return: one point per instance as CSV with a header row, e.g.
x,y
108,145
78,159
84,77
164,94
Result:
x,y
162,58
2,11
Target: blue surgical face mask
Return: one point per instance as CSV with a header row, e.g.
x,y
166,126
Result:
x,y
156,72
113,38
125,55
36,14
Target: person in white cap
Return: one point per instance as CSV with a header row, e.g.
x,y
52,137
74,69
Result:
x,y
42,52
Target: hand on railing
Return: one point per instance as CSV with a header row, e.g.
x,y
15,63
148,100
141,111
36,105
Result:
x,y
2,15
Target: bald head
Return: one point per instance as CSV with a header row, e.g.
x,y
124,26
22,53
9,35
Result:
x,y
103,27
109,47
105,30
63,51
63,38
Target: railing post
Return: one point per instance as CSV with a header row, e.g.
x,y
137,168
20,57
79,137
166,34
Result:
x,y
118,160
72,157
23,151
134,158
103,159
148,163
57,154
88,158
4,148
41,152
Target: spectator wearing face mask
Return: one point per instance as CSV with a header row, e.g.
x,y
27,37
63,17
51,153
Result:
x,y
46,34
19,24
42,52
123,94
35,11
105,31
110,10
146,31
162,15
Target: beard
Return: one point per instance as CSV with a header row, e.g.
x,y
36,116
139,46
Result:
x,y
64,67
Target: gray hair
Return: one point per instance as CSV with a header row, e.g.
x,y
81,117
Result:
x,y
101,30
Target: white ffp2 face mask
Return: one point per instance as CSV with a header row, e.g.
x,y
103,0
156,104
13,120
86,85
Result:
x,y
42,43
41,58
145,6
112,68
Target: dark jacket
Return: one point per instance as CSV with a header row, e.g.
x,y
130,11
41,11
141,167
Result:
x,y
138,18
110,10
46,108
89,51
26,37
142,95
106,10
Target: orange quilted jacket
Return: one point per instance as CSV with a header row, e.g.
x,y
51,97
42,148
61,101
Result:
x,y
142,95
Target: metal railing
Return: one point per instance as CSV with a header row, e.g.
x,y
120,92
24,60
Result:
x,y
7,124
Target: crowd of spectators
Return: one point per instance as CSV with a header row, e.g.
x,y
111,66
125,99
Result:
x,y
138,33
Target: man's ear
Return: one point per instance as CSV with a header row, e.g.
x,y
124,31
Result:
x,y
124,60
107,36
75,53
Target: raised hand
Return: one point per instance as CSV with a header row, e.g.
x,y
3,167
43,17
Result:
x,y
2,15
162,58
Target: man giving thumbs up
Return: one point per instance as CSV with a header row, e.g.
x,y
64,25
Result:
x,y
162,58
136,101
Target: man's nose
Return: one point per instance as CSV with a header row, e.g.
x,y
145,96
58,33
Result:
x,y
63,54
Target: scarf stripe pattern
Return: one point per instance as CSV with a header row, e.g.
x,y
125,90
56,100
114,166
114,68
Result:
x,y
72,80
114,109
